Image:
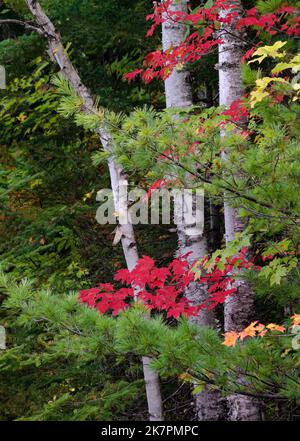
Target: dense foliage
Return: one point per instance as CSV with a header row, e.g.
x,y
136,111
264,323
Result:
x,y
78,322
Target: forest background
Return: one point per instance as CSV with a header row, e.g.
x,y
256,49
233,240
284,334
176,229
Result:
x,y
63,361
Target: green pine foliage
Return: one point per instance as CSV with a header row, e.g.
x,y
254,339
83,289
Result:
x,y
81,365
64,361
61,362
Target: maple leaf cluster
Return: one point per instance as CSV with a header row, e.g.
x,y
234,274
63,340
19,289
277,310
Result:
x,y
160,64
236,112
220,276
158,289
253,330
284,20
256,329
162,288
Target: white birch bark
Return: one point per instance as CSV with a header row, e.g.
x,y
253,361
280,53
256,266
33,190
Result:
x,y
177,86
237,308
117,177
178,94
190,237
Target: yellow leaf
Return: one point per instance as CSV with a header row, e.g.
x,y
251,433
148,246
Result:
x,y
293,64
257,96
35,183
259,93
269,51
286,352
198,389
22,117
87,196
179,66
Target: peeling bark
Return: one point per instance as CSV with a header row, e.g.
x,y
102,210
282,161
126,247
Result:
x,y
117,177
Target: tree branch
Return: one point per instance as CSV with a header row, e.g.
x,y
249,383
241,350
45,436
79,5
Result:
x,y
26,25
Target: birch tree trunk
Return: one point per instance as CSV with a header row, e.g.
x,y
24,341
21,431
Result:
x,y
237,308
177,86
190,237
118,179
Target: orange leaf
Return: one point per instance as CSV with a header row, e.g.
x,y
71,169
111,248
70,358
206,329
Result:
x,y
185,376
230,338
250,331
260,328
262,333
296,320
274,327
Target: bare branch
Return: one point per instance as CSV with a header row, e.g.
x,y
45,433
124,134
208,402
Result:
x,y
26,25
